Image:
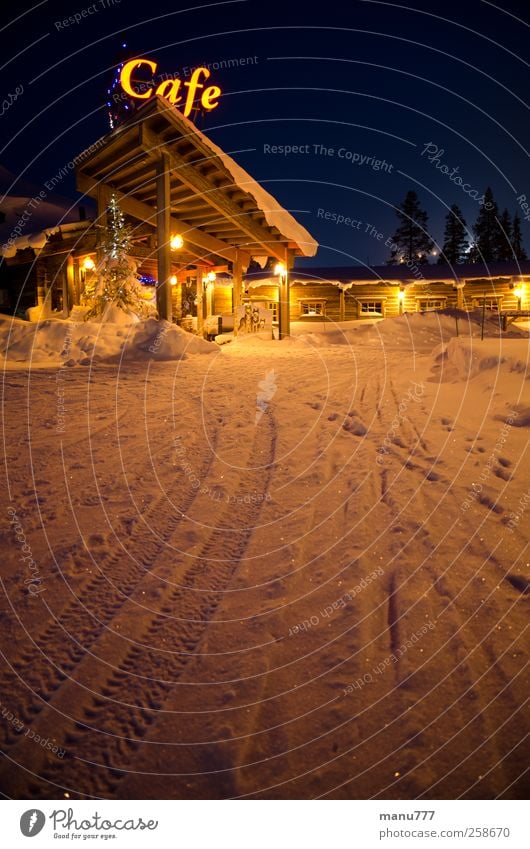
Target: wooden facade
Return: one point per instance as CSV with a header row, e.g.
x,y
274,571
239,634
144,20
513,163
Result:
x,y
54,279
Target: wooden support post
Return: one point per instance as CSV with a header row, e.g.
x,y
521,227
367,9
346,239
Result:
x,y
77,282
64,286
70,278
342,304
237,283
200,303
102,200
163,247
284,306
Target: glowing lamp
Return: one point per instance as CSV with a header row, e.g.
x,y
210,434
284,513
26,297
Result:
x,y
518,292
173,279
176,243
211,277
89,264
279,269
401,296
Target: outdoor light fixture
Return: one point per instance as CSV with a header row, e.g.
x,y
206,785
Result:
x,y
279,269
176,243
173,279
211,277
518,292
89,264
401,295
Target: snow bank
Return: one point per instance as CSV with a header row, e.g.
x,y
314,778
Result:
x,y
469,357
417,332
56,342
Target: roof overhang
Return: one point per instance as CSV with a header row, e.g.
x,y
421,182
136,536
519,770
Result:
x,y
216,206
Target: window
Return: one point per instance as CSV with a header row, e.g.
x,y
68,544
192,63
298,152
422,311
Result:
x,y
273,306
493,303
430,304
371,307
312,307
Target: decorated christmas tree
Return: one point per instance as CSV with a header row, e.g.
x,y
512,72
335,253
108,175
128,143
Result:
x,y
117,285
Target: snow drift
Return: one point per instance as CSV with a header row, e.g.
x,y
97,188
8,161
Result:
x,y
56,342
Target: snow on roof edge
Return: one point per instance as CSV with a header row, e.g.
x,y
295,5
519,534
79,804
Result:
x,y
275,215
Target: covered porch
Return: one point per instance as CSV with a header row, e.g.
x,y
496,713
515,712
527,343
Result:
x,y
199,216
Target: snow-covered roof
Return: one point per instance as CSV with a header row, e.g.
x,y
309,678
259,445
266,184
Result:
x,y
217,205
275,215
395,274
38,239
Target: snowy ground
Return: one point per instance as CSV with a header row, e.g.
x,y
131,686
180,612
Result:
x,y
281,570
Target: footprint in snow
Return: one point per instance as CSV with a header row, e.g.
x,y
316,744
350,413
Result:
x,y
354,426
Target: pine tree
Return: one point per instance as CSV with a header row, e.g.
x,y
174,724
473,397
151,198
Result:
x,y
504,250
455,246
412,242
487,230
117,283
518,251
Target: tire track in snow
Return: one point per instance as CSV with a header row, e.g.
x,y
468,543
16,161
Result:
x,y
121,717
66,641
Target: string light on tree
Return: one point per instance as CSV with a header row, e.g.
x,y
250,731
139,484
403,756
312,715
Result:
x,y
118,284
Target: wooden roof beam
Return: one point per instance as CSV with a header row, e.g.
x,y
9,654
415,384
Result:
x,y
143,212
191,176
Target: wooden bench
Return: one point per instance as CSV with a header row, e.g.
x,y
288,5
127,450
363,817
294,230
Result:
x,y
507,316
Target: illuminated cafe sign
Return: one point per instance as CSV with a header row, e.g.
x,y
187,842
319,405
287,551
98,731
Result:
x,y
173,89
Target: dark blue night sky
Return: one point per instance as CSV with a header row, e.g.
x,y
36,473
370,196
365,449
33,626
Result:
x,y
360,88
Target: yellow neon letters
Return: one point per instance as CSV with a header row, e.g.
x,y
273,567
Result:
x,y
171,88
125,77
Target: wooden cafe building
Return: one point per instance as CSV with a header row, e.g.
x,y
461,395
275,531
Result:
x,y
198,221
212,239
